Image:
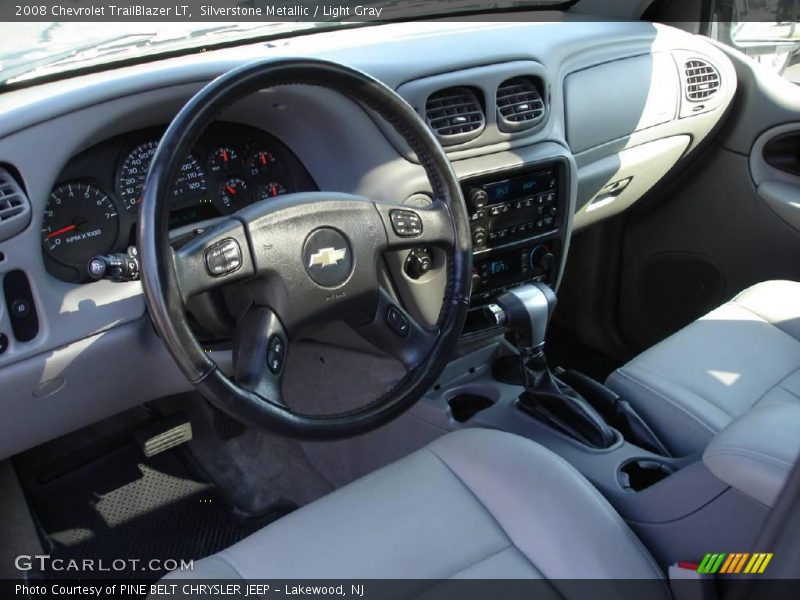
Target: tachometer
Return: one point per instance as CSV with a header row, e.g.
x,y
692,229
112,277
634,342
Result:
x,y
191,180
80,221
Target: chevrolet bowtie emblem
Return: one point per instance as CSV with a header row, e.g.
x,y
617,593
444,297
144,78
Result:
x,y
327,257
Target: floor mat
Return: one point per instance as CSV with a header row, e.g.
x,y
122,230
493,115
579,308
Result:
x,y
122,505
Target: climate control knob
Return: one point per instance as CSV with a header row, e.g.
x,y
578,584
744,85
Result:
x,y
479,236
542,258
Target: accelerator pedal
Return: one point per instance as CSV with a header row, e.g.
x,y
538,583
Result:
x,y
165,434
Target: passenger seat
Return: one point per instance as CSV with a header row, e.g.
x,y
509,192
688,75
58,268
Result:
x,y
694,383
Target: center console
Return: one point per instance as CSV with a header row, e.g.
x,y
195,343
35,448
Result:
x,y
517,220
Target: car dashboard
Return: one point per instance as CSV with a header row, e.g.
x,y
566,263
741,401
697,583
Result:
x,y
550,127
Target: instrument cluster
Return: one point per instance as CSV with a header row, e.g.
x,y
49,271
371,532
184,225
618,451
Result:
x,y
93,207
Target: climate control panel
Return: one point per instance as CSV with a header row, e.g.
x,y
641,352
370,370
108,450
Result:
x,y
497,272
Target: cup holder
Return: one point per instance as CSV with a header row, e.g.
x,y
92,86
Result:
x,y
468,401
637,475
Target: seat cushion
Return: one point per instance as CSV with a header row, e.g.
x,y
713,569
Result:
x,y
473,504
694,383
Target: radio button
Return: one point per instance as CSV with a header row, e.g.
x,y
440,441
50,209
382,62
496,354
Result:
x,y
478,198
478,215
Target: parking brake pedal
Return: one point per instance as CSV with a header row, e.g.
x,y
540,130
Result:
x,y
164,434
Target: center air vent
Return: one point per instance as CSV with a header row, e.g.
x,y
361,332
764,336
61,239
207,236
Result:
x,y
519,104
702,80
455,114
15,210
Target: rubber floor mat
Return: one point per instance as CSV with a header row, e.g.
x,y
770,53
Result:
x,y
128,510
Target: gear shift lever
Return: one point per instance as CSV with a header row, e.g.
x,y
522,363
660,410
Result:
x,y
526,311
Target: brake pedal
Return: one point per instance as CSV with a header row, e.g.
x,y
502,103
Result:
x,y
164,434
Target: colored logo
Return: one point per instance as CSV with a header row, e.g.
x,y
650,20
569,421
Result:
x,y
327,257
737,562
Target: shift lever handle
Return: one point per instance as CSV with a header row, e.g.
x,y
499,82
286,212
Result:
x,y
526,310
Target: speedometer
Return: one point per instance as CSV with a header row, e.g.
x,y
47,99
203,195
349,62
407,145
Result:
x,y
191,180
80,221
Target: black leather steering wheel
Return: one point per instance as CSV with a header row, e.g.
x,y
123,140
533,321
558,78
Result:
x,y
305,259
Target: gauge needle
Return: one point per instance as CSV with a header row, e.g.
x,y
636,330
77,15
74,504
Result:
x,y
53,234
231,190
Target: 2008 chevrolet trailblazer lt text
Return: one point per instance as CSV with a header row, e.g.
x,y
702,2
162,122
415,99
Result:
x,y
502,294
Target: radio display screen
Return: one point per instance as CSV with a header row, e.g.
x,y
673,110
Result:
x,y
520,187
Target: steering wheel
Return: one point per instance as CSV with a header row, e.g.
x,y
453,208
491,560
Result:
x,y
305,259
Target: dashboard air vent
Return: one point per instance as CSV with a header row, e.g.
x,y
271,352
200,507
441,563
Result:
x,y
455,114
702,80
519,104
15,209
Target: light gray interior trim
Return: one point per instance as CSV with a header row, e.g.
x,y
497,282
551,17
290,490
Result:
x,y
784,199
611,185
645,94
755,453
766,100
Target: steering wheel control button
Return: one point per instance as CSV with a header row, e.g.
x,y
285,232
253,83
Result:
x,y
397,321
276,351
3,342
223,257
327,257
406,223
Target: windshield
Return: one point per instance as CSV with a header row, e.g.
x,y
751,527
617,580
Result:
x,y
31,50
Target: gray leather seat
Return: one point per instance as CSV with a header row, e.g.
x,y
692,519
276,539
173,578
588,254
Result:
x,y
473,504
696,382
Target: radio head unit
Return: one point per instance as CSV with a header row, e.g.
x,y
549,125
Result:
x,y
516,220
508,207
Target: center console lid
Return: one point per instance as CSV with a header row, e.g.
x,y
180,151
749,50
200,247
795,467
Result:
x,y
755,452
